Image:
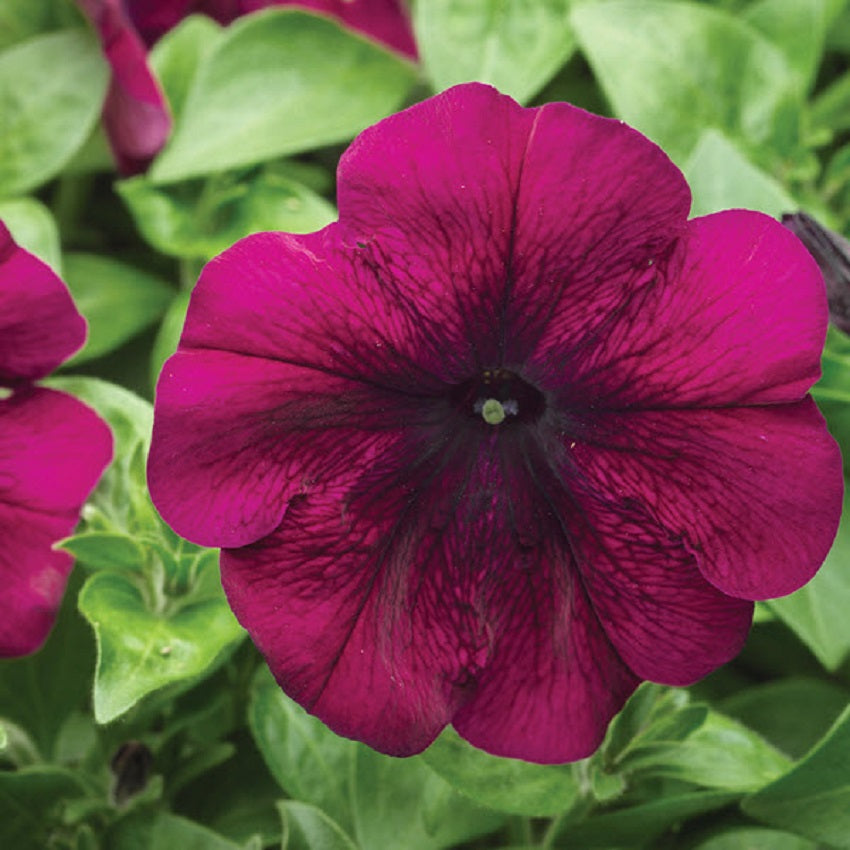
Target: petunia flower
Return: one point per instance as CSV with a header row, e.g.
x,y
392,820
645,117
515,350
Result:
x,y
52,447
136,114
510,436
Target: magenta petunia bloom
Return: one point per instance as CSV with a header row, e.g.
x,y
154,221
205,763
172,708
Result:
x,y
509,437
136,114
52,447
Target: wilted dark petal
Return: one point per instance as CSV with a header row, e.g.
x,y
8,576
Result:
x,y
135,113
52,451
831,251
736,316
508,214
755,493
39,324
665,620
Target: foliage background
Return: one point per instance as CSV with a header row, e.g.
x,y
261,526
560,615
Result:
x,y
148,721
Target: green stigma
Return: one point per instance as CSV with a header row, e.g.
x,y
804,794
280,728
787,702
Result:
x,y
493,411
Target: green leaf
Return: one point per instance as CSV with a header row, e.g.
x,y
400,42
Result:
x,y
103,550
673,69
817,613
23,19
33,227
831,108
515,45
754,838
3,737
722,178
176,57
31,803
287,82
47,115
791,713
168,335
307,828
117,300
797,28
309,762
721,753
140,650
813,799
402,803
507,785
638,825
202,218
142,831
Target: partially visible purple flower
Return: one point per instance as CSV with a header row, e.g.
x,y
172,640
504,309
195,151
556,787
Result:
x,y
832,254
136,113
509,437
53,449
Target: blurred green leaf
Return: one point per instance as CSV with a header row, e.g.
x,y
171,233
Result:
x,y
507,785
31,805
202,218
674,69
142,650
117,300
46,115
791,713
402,803
168,335
754,838
310,762
831,108
812,799
817,612
722,178
279,82
34,228
307,828
23,19
515,45
797,27
176,57
640,824
165,831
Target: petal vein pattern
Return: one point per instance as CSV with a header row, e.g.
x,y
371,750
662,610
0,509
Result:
x,y
510,436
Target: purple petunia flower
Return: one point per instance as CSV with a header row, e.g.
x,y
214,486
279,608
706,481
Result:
x,y
509,437
136,114
53,448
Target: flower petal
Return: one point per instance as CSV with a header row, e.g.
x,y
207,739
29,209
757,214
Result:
x,y
736,316
755,493
39,324
135,114
52,451
507,211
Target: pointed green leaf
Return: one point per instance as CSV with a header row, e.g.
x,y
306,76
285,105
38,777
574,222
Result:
x,y
515,45
307,828
34,228
287,82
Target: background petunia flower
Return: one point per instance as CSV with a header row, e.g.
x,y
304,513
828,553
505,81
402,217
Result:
x,y
52,447
509,437
136,114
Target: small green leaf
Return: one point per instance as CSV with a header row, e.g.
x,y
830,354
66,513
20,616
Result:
x,y
722,178
47,115
168,335
164,831
507,785
202,218
287,82
307,828
812,799
638,825
104,550
515,45
117,300
673,69
831,108
310,762
142,650
754,838
402,803
3,737
33,227
721,753
817,613
176,57
31,803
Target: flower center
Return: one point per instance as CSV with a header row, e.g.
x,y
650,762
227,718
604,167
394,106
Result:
x,y
498,396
